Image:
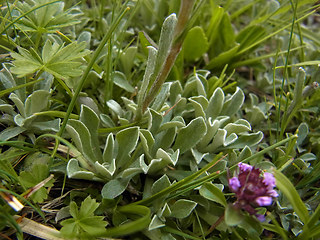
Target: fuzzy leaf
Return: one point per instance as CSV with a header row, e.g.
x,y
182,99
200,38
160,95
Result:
x,y
233,104
213,193
182,208
114,188
121,81
196,128
127,140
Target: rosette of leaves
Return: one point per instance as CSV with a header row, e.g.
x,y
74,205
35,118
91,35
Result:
x,y
20,115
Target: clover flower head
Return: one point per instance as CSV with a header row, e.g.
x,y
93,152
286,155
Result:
x,y
253,188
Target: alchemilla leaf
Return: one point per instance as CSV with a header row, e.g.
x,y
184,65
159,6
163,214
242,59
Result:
x,y
59,60
83,222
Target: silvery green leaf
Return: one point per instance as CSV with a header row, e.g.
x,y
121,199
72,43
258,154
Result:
x,y
196,128
249,139
81,136
165,41
238,126
230,139
161,97
156,120
182,208
7,108
114,188
198,109
106,120
160,184
147,140
85,36
130,105
155,223
89,102
37,102
246,152
91,120
217,141
164,139
105,169
147,74
121,81
110,150
74,170
130,172
233,104
194,86
213,193
51,126
11,132
175,122
19,120
165,212
198,156
303,131
175,92
215,104
155,166
127,140
45,84
212,128
19,104
127,58
115,107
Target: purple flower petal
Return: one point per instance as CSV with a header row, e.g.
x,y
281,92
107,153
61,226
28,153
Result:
x,y
261,217
263,201
234,184
244,167
269,180
273,193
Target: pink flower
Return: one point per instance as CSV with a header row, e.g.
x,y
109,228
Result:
x,y
253,188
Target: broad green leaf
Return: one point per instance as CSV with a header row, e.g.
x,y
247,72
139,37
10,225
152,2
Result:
x,y
11,132
213,193
160,184
74,171
91,120
127,140
286,187
248,139
182,208
196,128
155,223
233,104
195,43
121,81
81,136
114,188
110,150
36,102
59,60
215,104
232,216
